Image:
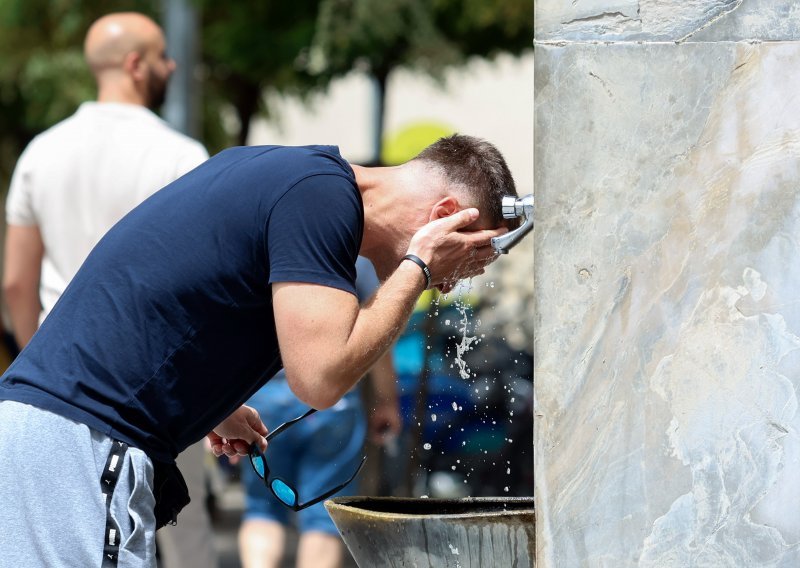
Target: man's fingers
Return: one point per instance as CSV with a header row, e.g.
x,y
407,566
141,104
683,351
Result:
x,y
484,237
254,420
459,220
240,447
262,443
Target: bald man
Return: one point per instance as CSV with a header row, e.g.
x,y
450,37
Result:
x,y
77,179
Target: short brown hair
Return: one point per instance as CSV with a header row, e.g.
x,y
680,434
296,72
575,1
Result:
x,y
479,167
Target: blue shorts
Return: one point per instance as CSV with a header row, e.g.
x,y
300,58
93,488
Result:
x,y
316,454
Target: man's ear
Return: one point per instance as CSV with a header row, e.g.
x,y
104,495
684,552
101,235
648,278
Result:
x,y
445,207
134,65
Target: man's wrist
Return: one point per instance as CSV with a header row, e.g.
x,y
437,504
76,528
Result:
x,y
426,272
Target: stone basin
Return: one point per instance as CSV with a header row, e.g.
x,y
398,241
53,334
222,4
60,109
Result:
x,y
474,532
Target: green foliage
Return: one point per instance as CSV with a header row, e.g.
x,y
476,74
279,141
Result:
x,y
252,47
486,27
378,35
426,35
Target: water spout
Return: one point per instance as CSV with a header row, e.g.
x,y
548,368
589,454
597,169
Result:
x,y
513,207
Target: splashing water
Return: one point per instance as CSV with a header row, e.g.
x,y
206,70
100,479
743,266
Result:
x,y
466,342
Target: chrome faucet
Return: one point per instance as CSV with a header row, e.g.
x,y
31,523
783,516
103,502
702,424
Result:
x,y
515,207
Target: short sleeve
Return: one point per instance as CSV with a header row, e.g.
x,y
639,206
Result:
x,y
19,202
314,233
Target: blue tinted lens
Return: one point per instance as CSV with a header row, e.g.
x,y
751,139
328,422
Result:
x,y
258,464
284,492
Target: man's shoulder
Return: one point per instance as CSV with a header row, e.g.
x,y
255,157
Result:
x,y
100,118
54,133
169,138
303,159
157,131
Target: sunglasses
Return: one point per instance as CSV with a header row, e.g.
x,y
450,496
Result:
x,y
284,492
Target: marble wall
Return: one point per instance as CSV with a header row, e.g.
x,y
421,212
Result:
x,y
667,291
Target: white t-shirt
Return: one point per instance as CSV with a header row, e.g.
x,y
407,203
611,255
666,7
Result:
x,y
78,178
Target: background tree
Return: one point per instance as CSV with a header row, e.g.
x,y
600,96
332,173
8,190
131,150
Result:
x,y
250,49
379,36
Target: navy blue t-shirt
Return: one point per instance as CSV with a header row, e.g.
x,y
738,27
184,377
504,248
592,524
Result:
x,y
168,326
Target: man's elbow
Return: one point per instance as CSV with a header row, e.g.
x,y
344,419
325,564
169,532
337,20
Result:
x,y
316,393
14,291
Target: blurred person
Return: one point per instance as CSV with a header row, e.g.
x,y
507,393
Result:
x,y
77,179
314,453
193,301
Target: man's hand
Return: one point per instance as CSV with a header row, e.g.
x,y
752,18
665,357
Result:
x,y
451,253
238,432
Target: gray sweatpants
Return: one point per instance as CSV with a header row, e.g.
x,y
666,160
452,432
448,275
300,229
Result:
x,y
52,509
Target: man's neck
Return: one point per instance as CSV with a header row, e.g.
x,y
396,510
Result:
x,y
386,227
113,93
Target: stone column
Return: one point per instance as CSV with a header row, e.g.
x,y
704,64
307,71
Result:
x,y
667,291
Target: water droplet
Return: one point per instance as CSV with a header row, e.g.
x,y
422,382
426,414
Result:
x,y
427,446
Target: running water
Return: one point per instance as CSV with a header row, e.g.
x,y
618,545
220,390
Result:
x,y
467,342
464,337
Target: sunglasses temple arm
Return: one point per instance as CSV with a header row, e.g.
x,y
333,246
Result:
x,y
335,489
288,423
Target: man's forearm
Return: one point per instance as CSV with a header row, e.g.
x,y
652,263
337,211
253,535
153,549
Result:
x,y
328,343
383,319
21,273
24,310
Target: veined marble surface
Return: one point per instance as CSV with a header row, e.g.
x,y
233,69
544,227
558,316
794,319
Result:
x,y
667,291
666,20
